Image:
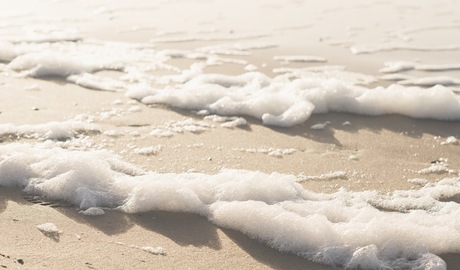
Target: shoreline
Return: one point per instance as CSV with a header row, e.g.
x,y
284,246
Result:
x,y
115,240
354,182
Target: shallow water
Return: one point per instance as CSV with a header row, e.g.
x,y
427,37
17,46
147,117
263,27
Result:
x,y
232,65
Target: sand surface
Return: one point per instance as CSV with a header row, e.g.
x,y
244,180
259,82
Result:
x,y
374,153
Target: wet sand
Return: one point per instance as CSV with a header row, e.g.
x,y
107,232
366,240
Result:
x,y
404,147
115,241
376,153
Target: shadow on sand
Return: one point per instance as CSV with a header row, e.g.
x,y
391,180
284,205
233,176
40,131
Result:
x,y
403,125
183,228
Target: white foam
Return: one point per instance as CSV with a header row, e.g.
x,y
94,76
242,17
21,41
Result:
x,y
343,229
325,176
188,125
298,92
431,81
450,140
117,102
228,122
158,132
254,94
430,28
320,126
96,82
322,68
50,64
192,38
398,66
274,152
77,62
235,122
399,230
437,168
135,109
149,249
148,151
375,48
418,181
138,29
111,114
45,34
328,72
250,67
300,58
437,67
7,51
224,49
396,77
48,131
93,211
177,127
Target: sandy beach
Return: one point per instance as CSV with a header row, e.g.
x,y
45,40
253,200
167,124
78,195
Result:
x,y
120,147
115,240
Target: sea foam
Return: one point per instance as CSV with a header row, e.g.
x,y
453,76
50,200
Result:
x,y
48,131
286,100
402,229
375,48
281,102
